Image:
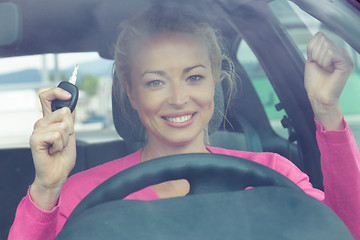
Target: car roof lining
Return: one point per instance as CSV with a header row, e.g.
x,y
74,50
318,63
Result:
x,y
96,30
93,26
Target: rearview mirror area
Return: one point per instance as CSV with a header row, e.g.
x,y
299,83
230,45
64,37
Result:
x,y
10,24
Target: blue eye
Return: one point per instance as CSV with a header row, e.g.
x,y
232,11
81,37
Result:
x,y
154,83
194,78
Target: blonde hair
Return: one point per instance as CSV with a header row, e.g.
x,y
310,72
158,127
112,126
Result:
x,y
159,20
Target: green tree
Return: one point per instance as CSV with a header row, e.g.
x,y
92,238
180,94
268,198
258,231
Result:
x,y
62,76
89,84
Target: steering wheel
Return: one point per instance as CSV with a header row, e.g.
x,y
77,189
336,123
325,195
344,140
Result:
x,y
216,182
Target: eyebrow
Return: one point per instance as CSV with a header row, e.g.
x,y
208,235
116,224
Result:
x,y
188,69
162,73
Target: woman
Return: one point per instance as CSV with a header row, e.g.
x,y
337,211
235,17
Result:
x,y
167,65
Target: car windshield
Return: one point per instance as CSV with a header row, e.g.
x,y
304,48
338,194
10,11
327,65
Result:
x,y
260,112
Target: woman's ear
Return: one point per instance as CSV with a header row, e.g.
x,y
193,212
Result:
x,y
130,95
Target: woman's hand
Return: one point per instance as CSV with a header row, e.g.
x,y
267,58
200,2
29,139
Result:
x,y
53,149
326,71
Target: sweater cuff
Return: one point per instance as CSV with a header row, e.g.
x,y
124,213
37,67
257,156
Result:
x,y
334,137
38,214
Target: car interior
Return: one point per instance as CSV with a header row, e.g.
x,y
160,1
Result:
x,y
40,27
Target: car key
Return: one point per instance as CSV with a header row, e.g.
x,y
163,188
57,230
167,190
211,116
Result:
x,y
72,89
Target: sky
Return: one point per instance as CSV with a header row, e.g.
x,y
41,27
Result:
x,y
14,64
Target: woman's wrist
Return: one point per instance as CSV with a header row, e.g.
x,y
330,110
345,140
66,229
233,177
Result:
x,y
330,117
45,198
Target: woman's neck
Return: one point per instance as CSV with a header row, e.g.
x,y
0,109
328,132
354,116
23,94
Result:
x,y
155,150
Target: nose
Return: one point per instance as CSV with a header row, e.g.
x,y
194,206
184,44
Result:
x,y
178,95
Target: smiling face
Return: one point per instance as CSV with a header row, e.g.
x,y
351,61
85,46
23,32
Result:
x,y
172,88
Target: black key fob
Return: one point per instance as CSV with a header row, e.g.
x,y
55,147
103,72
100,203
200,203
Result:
x,y
71,103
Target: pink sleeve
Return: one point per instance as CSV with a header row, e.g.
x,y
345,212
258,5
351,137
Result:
x,y
340,163
290,170
32,222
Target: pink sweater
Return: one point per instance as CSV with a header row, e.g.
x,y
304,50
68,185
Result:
x,y
340,163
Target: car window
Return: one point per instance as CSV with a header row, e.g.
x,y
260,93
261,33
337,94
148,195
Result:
x,y
23,78
301,35
263,87
300,27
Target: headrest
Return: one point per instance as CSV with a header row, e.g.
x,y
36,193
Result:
x,y
129,132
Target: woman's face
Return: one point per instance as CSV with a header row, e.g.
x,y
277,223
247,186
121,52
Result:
x,y
172,88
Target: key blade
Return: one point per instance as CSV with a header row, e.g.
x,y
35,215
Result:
x,y
73,76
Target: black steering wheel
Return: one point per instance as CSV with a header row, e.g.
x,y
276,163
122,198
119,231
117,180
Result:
x,y
279,210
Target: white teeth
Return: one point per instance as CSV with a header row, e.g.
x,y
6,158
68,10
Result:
x,y
180,119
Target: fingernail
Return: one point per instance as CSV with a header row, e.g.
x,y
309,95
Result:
x,y
67,94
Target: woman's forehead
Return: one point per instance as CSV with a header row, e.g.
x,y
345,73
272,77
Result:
x,y
171,38
171,48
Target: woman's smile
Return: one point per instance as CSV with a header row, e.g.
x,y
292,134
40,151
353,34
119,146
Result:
x,y
179,120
